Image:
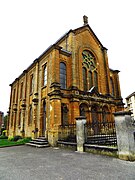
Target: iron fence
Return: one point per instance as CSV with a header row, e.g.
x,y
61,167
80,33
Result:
x,y
101,133
67,133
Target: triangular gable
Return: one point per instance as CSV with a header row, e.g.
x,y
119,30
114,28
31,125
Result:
x,y
93,91
79,30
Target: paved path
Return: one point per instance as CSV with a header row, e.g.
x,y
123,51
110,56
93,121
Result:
x,y
28,163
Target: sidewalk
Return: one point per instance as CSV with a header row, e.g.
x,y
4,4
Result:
x,y
28,163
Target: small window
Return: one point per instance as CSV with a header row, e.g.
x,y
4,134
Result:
x,y
21,90
19,122
31,84
30,115
63,75
45,76
14,92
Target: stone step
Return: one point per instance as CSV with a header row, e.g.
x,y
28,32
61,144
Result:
x,y
38,142
37,145
41,137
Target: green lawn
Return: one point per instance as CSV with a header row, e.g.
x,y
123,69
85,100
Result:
x,y
6,142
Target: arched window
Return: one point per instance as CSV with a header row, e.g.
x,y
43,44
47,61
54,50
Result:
x,y
84,111
63,75
45,75
84,79
90,70
105,115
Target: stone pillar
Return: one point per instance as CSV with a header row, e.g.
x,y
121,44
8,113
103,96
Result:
x,y
23,118
55,121
80,133
125,132
35,101
14,122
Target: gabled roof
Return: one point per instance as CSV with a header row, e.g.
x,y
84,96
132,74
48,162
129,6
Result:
x,y
75,31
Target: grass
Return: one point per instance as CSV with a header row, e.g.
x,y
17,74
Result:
x,y
6,142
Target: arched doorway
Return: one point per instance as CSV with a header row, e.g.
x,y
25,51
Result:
x,y
84,110
105,115
44,119
95,119
64,114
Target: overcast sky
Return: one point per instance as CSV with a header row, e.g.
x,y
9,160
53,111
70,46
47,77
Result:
x,y
28,27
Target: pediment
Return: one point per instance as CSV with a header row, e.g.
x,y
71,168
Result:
x,y
94,92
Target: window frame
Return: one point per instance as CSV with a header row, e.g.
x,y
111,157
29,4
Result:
x,y
30,115
21,90
44,75
89,63
31,83
63,75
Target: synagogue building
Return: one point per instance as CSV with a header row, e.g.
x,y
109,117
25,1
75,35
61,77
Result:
x,y
69,79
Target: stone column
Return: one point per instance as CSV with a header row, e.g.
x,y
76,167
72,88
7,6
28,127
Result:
x,y
35,101
23,118
125,132
80,133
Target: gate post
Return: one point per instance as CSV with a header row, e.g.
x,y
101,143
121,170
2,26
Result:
x,y
125,132
80,132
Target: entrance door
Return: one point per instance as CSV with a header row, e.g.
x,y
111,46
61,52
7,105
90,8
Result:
x,y
44,119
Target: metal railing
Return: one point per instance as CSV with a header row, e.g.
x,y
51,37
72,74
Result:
x,y
67,133
101,133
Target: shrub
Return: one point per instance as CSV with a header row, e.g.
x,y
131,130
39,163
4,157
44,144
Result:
x,y
4,132
16,138
3,137
10,138
28,138
24,140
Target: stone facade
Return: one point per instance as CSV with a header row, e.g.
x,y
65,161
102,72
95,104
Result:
x,y
71,78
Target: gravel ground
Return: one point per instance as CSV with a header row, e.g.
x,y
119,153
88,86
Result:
x,y
29,163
